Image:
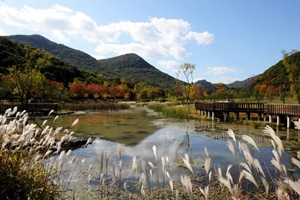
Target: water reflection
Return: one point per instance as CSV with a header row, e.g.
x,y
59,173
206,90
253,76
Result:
x,y
136,132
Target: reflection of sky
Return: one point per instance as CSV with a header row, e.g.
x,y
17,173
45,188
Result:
x,y
171,142
170,139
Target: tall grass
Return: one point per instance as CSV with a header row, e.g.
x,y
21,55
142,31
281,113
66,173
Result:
x,y
34,165
170,111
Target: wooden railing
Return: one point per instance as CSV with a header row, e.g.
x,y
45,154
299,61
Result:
x,y
272,109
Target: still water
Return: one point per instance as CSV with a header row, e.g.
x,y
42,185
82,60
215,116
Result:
x,y
134,132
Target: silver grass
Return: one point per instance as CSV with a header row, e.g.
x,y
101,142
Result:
x,y
295,185
298,154
125,186
250,141
55,118
44,122
50,112
186,161
143,191
89,141
209,176
258,167
207,165
206,152
248,157
151,165
228,175
167,174
231,134
249,177
296,162
134,165
119,151
270,132
266,185
75,122
220,172
276,160
231,147
247,167
47,153
154,152
171,185
205,192
226,183
186,182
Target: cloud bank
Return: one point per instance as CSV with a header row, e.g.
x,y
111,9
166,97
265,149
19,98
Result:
x,y
157,38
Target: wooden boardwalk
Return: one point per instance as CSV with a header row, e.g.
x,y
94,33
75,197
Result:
x,y
222,110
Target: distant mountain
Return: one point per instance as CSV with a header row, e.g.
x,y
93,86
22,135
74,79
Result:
x,y
205,85
129,67
243,84
66,54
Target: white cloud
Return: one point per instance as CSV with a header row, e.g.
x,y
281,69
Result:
x,y
201,38
157,38
169,64
220,70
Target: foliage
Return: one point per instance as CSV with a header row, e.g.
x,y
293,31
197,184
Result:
x,y
292,62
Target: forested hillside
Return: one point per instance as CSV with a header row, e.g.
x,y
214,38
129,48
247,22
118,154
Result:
x,y
64,53
14,54
130,67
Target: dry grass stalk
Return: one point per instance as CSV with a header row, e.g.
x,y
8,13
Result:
x,y
250,141
231,134
186,161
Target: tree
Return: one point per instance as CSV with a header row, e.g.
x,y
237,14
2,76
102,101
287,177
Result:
x,y
291,61
187,70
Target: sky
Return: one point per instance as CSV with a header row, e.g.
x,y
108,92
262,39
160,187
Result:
x,y
227,40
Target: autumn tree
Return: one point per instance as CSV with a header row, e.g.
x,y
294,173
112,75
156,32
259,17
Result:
x,y
78,89
291,60
187,70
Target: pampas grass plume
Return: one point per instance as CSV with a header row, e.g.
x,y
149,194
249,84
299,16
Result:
x,y
231,134
250,141
186,161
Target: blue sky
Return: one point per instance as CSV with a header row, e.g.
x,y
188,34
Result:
x,y
227,40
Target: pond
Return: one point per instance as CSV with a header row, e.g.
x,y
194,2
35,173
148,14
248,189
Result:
x,y
120,136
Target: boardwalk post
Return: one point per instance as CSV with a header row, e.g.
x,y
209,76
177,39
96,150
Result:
x,y
288,122
278,120
270,118
212,116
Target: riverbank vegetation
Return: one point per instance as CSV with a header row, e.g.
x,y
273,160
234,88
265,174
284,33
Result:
x,y
33,165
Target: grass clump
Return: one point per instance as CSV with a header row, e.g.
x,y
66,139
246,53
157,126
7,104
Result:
x,y
170,111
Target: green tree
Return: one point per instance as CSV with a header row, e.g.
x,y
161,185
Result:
x,y
187,70
26,77
291,61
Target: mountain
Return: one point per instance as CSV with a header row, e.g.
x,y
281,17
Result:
x,y
205,85
16,54
66,54
133,67
243,84
129,66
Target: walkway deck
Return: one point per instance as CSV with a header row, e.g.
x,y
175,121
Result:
x,y
211,109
